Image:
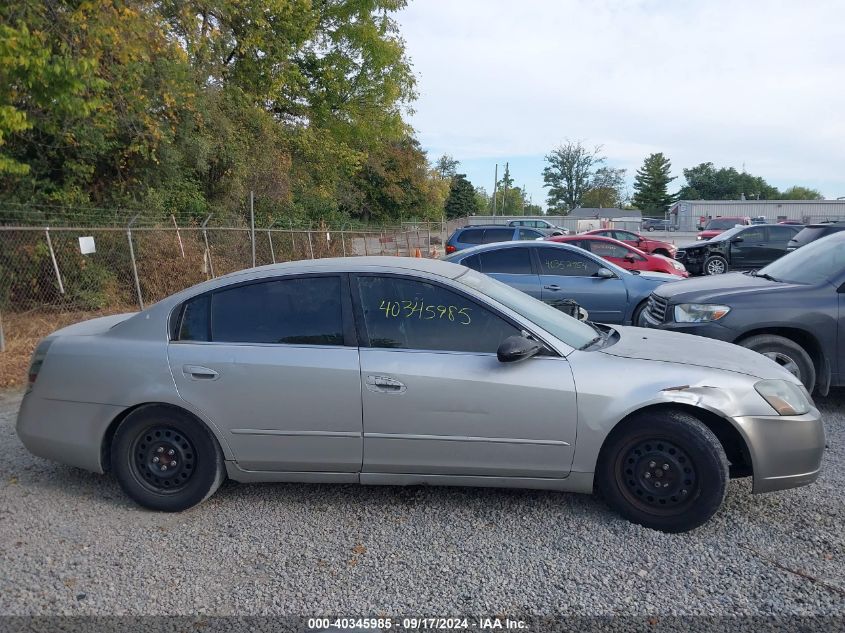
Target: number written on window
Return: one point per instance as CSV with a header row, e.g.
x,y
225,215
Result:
x,y
418,309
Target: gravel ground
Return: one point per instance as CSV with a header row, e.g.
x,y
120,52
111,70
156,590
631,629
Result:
x,y
73,544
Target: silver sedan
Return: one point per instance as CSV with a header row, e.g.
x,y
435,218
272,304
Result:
x,y
404,371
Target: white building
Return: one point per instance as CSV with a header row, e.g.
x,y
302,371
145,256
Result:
x,y
688,214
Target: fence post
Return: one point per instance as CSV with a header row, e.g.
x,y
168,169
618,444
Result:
x,y
429,240
292,242
343,240
132,256
178,235
2,337
270,239
408,241
310,244
252,223
53,257
207,250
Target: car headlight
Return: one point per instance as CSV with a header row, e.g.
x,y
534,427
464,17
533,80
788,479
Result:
x,y
677,265
699,312
784,397
698,237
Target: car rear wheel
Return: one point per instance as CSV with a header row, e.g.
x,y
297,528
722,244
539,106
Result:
x,y
638,313
786,353
165,459
664,470
715,265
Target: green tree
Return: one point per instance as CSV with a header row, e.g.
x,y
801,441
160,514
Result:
x,y
800,193
462,200
705,182
651,185
446,166
606,189
568,175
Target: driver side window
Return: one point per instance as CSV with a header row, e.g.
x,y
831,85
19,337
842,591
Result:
x,y
415,315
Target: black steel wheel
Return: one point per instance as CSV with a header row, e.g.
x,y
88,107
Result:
x,y
663,469
165,459
656,475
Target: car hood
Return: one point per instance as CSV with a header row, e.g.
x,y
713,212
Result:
x,y
721,288
655,276
687,349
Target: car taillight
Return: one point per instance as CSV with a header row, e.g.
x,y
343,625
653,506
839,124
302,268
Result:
x,y
37,361
450,249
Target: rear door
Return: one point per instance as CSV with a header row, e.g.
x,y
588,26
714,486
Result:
x,y
274,365
512,266
779,237
752,251
567,275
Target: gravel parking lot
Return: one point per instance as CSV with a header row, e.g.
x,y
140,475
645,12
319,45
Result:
x,y
73,544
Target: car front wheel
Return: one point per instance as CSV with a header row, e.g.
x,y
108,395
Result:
x,y
786,353
664,470
165,459
715,265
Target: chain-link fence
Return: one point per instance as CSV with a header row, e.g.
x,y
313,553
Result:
x,y
50,277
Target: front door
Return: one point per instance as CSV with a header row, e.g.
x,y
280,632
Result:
x,y
271,365
567,275
436,399
752,251
511,266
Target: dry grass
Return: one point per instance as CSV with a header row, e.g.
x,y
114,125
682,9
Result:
x,y
24,330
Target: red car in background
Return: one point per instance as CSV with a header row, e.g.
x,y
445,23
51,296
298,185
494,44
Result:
x,y
622,254
650,246
721,224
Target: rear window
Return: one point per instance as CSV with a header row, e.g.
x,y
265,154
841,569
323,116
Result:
x,y
497,235
722,224
807,235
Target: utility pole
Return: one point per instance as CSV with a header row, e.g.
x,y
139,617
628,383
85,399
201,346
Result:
x,y
505,194
495,186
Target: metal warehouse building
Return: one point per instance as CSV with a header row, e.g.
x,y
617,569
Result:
x,y
687,214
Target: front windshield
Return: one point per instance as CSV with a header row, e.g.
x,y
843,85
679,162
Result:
x,y
721,224
818,262
569,330
729,233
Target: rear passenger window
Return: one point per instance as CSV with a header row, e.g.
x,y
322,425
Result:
x,y
555,261
472,262
498,235
303,311
515,261
473,236
529,234
194,325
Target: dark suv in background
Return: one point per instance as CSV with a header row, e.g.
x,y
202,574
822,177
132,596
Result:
x,y
813,232
791,311
473,235
739,248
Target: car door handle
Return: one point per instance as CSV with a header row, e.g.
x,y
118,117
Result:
x,y
554,287
385,384
200,372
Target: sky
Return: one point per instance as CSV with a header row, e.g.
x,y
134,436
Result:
x,y
759,84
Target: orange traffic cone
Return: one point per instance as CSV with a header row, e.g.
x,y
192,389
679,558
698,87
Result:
x,y
417,253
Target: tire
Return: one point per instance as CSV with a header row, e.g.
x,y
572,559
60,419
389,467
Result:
x,y
153,433
786,353
638,312
686,457
715,265
650,229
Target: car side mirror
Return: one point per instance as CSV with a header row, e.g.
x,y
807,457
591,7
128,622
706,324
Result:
x,y
517,348
737,240
698,227
605,273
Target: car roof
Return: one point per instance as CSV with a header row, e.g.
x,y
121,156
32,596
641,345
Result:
x,y
839,225
487,226
481,248
563,239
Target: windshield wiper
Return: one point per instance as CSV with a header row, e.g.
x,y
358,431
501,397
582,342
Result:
x,y
764,276
602,336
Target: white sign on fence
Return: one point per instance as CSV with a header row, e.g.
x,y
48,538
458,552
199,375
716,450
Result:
x,y
86,245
